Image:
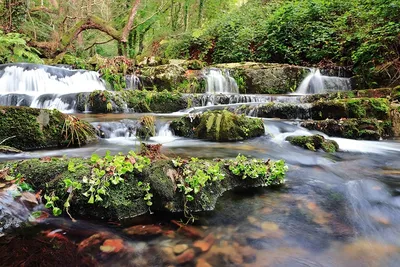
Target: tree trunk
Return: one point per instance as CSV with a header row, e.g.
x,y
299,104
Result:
x,y
200,15
129,25
186,16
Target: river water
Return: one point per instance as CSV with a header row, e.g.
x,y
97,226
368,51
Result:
x,y
334,210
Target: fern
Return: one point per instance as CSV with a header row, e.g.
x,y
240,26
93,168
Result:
x,y
13,48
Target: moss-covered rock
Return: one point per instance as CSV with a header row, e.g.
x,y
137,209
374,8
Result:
x,y
156,102
164,185
276,110
219,125
9,150
369,93
131,101
364,129
104,102
185,126
28,128
314,142
147,128
163,77
377,108
261,78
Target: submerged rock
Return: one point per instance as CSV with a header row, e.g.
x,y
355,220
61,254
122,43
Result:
x,y
314,142
29,128
219,125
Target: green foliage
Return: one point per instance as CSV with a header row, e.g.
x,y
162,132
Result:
x,y
362,34
115,80
105,172
76,131
196,174
272,172
146,188
13,48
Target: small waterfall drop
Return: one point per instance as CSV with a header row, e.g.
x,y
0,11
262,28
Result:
x,y
133,82
220,82
42,86
316,83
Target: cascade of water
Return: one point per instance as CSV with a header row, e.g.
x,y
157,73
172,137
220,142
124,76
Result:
x,y
44,86
164,130
220,82
316,83
132,82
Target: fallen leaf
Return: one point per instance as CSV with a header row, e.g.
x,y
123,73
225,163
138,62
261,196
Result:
x,y
112,245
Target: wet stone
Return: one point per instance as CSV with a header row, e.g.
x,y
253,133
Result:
x,y
178,249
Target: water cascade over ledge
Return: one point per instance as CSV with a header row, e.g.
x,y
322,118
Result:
x,y
41,86
316,83
220,82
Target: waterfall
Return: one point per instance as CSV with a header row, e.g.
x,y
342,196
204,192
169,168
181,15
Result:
x,y
316,83
133,82
220,82
42,86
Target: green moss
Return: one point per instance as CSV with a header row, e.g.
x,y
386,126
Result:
x,y
225,126
185,126
351,108
365,129
126,199
32,128
157,102
314,142
147,128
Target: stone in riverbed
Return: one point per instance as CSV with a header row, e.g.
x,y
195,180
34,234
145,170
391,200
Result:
x,y
29,128
9,150
219,125
314,142
365,129
178,249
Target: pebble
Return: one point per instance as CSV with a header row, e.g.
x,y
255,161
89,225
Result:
x,y
178,249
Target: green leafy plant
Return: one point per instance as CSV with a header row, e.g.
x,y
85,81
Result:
x,y
105,172
13,48
76,131
272,172
196,174
146,188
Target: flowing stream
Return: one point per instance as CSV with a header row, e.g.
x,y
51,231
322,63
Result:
x,y
339,209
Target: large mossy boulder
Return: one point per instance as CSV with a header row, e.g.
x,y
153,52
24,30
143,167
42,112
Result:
x,y
126,186
164,76
258,78
219,125
364,129
313,143
132,101
29,128
377,108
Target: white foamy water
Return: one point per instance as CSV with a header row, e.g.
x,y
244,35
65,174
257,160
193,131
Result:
x,y
42,86
220,82
316,83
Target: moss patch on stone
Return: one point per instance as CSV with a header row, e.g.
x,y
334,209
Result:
x,y
377,108
364,129
38,128
219,125
127,199
314,142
